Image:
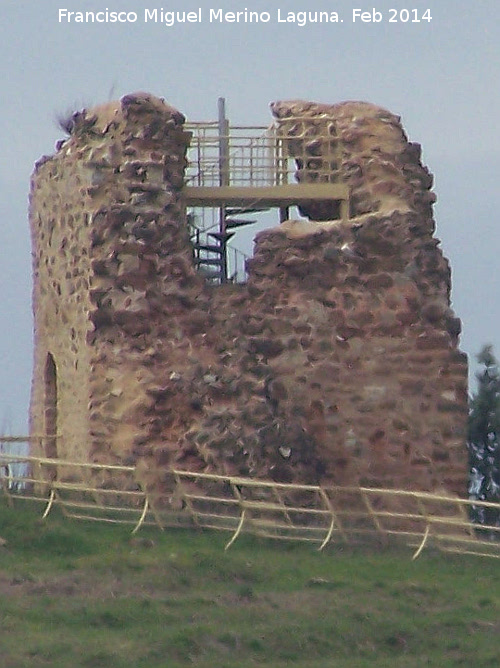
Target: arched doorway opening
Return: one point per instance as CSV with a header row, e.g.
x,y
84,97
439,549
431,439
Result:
x,y
51,410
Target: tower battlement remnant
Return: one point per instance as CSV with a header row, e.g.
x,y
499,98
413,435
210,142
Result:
x,y
336,361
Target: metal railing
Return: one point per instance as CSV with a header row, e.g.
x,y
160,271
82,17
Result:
x,y
252,157
239,170
258,155
322,515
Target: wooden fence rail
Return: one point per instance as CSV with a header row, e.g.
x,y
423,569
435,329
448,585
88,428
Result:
x,y
320,515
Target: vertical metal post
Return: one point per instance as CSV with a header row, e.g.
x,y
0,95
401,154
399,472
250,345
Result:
x,y
281,162
224,180
284,213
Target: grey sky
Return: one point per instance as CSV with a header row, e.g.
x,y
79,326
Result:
x,y
440,76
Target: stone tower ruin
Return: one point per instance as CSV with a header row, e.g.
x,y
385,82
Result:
x,y
336,361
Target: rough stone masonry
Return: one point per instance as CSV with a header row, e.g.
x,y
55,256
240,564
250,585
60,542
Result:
x,y
337,361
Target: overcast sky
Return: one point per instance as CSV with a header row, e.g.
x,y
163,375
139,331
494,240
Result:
x,y
442,76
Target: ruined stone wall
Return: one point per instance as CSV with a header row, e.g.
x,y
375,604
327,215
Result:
x,y
368,366
370,151
337,361
108,239
60,228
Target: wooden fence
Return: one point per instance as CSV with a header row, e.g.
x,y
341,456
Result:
x,y
323,515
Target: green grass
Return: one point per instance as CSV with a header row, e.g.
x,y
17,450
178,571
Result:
x,y
90,595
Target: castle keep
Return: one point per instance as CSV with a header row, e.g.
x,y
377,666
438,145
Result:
x,y
337,360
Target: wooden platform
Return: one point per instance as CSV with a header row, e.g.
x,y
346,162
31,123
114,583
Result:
x,y
267,196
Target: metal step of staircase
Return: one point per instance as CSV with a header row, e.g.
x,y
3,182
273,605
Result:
x,y
209,275
207,248
244,210
215,261
221,236
235,222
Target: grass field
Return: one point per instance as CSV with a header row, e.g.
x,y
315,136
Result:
x,y
90,595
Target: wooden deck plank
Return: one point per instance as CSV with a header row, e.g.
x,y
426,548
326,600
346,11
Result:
x,y
268,196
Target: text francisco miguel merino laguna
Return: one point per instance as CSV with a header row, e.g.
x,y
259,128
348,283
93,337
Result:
x,y
171,18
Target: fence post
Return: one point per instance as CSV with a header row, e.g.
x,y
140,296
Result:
x,y
185,497
143,487
372,513
5,485
427,532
